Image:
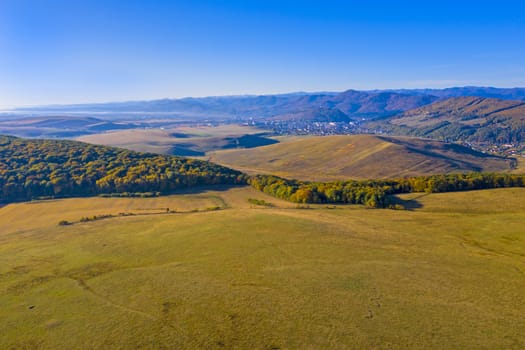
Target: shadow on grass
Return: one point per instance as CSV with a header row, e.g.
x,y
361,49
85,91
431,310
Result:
x,y
408,204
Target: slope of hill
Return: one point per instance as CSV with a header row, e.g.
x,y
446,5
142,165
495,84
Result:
x,y
360,157
474,119
36,168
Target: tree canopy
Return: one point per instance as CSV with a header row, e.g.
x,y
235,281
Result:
x,y
55,168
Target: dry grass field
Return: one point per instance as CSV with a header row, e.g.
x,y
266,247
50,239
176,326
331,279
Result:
x,y
449,274
328,158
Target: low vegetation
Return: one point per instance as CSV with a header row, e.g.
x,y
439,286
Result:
x,y
95,217
260,202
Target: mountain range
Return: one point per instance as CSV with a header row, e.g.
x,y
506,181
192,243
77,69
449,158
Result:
x,y
355,104
490,92
471,114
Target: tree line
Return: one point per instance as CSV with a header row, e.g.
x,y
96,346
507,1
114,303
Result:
x,y
376,193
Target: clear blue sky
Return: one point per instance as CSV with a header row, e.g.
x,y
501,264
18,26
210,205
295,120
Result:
x,y
108,50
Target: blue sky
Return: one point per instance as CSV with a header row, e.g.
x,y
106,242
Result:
x,y
74,51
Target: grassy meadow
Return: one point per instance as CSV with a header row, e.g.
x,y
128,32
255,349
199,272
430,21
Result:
x,y
448,274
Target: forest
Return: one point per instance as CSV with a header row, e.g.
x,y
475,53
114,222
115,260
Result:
x,y
33,169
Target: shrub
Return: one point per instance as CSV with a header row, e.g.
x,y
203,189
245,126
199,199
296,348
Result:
x,y
213,208
260,202
396,206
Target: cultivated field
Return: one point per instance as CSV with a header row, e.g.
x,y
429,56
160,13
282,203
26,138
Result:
x,y
448,274
329,158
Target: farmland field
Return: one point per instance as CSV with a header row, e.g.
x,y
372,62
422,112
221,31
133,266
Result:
x,y
448,274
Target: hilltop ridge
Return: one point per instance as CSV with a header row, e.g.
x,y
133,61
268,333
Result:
x,y
473,119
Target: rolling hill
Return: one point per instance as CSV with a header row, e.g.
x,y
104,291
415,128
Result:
x,y
359,156
473,119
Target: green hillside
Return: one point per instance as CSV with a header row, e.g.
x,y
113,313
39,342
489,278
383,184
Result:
x,y
359,156
446,275
43,168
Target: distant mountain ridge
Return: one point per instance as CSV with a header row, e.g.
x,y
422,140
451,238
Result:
x,y
356,104
351,102
471,113
517,93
